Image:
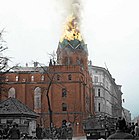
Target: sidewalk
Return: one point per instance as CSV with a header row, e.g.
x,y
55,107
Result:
x,y
79,138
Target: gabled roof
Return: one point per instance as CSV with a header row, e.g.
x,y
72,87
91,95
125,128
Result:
x,y
14,107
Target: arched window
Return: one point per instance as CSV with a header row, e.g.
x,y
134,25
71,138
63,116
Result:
x,y
58,77
6,79
69,77
64,92
66,60
64,107
42,78
32,78
11,93
16,78
37,98
77,61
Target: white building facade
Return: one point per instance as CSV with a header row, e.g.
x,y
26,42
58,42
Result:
x,y
126,114
108,95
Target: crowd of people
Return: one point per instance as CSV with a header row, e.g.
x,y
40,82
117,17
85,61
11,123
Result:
x,y
125,131
10,132
63,132
13,132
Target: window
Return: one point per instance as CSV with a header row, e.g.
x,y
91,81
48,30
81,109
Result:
x,y
64,92
42,78
16,78
11,93
77,61
6,79
99,92
69,77
107,85
99,107
58,77
32,78
96,79
66,60
37,98
64,107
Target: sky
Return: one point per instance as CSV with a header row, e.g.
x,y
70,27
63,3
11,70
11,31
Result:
x,y
110,29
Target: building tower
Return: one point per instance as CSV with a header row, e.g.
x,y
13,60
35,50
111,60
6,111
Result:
x,y
71,49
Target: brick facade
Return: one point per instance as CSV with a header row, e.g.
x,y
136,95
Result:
x,y
72,77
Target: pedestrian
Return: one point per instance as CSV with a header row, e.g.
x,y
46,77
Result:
x,y
69,132
120,133
38,132
6,131
136,130
14,132
1,132
133,129
129,128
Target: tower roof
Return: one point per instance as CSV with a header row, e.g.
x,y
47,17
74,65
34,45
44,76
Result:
x,y
73,45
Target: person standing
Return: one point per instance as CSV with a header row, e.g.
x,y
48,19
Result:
x,y
38,132
136,130
14,132
69,132
120,133
133,129
1,132
6,131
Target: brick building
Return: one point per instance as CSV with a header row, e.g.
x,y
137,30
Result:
x,y
67,83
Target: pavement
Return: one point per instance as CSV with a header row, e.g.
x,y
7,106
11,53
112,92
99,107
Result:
x,y
83,138
79,138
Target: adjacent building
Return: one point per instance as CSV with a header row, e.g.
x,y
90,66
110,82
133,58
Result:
x,y
127,115
108,95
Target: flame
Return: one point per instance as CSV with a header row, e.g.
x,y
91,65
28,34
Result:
x,y
71,30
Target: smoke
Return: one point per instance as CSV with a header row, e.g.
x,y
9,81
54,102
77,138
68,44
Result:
x,y
74,7
66,8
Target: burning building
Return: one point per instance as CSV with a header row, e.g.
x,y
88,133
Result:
x,y
61,91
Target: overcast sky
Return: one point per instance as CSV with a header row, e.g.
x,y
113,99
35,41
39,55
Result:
x,y
109,27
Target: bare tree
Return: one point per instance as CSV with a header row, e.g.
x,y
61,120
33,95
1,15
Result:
x,y
3,62
51,78
3,47
74,116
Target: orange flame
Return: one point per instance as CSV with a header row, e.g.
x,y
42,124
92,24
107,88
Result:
x,y
71,30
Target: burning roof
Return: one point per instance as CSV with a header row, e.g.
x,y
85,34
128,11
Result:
x,y
71,29
71,37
